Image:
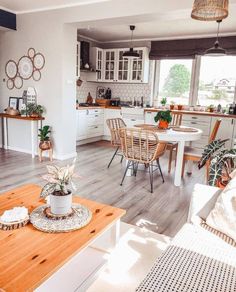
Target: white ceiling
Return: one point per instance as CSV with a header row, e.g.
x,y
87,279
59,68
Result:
x,y
27,6
172,24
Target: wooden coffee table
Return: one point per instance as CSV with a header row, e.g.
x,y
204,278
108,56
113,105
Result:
x,y
31,260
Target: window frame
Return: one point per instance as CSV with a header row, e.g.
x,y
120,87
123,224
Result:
x,y
194,82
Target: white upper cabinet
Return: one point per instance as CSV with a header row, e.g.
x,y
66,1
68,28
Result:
x,y
140,67
112,67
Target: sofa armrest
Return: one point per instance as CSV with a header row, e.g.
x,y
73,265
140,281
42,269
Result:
x,y
202,201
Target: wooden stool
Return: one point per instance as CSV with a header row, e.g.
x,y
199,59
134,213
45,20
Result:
x,y
50,151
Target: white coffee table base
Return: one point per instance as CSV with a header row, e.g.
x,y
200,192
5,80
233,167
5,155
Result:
x,y
83,269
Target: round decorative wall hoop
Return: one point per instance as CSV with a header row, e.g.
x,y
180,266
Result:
x,y
10,84
11,69
36,75
18,82
31,52
25,67
39,61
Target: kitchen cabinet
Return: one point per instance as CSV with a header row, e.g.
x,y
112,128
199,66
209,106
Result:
x,y
97,63
112,67
132,116
140,67
89,124
226,130
149,117
110,114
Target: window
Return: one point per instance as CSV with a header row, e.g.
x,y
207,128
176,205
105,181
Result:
x,y
175,81
217,81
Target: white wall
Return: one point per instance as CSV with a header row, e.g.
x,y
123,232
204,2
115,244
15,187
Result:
x,y
56,89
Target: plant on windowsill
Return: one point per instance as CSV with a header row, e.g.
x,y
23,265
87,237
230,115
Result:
x,y
34,110
221,162
58,187
211,108
44,137
172,105
180,107
164,118
163,101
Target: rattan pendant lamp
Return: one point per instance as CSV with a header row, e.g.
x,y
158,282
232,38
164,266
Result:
x,y
210,10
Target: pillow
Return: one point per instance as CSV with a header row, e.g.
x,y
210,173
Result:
x,y
223,216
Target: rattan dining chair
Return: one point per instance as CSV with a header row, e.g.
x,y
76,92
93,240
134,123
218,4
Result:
x,y
141,147
191,154
114,125
176,122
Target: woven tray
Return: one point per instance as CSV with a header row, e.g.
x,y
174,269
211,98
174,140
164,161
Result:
x,y
150,127
13,225
187,130
80,218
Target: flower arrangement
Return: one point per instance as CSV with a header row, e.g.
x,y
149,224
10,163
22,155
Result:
x,y
59,180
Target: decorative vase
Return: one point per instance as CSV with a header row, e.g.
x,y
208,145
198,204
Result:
x,y
60,205
45,145
163,124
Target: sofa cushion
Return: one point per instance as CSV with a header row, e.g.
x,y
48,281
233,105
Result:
x,y
197,260
223,216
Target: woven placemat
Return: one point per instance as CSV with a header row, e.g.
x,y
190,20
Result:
x,y
80,218
187,130
150,127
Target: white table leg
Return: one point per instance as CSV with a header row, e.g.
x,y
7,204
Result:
x,y
179,163
34,137
5,130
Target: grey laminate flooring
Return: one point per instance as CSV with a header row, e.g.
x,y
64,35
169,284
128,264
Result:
x,y
164,211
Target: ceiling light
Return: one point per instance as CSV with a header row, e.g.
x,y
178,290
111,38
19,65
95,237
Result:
x,y
208,10
216,50
131,54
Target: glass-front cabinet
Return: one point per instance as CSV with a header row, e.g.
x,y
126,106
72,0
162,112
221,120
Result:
x,y
123,67
110,65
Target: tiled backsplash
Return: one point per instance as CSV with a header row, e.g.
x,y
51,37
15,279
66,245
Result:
x,y
126,92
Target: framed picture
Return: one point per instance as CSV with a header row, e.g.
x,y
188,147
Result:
x,y
21,103
13,102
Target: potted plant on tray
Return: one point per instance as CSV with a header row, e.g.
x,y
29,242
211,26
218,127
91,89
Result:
x,y
44,136
58,187
164,118
34,110
222,162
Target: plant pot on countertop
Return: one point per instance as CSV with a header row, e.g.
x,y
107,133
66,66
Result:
x,y
60,204
45,145
180,107
172,107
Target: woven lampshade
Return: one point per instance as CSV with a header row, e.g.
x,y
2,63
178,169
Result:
x,y
208,10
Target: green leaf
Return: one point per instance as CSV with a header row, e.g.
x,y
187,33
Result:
x,y
48,189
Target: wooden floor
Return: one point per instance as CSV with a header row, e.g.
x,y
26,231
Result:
x,y
164,211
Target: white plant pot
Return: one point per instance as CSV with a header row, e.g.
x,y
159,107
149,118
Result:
x,y
61,205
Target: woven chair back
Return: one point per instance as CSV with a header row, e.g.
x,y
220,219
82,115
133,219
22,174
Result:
x,y
114,125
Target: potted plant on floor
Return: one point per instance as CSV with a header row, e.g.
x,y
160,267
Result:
x,y
164,118
44,137
222,162
58,187
34,110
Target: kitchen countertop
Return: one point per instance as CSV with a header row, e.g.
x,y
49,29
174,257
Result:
x,y
214,114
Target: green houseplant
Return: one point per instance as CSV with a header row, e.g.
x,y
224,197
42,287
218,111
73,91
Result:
x,y
164,118
58,187
44,137
163,101
222,162
35,110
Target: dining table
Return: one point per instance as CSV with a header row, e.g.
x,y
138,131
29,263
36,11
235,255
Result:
x,y
180,135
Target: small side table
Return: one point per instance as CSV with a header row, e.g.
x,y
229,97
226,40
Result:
x,y
50,152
